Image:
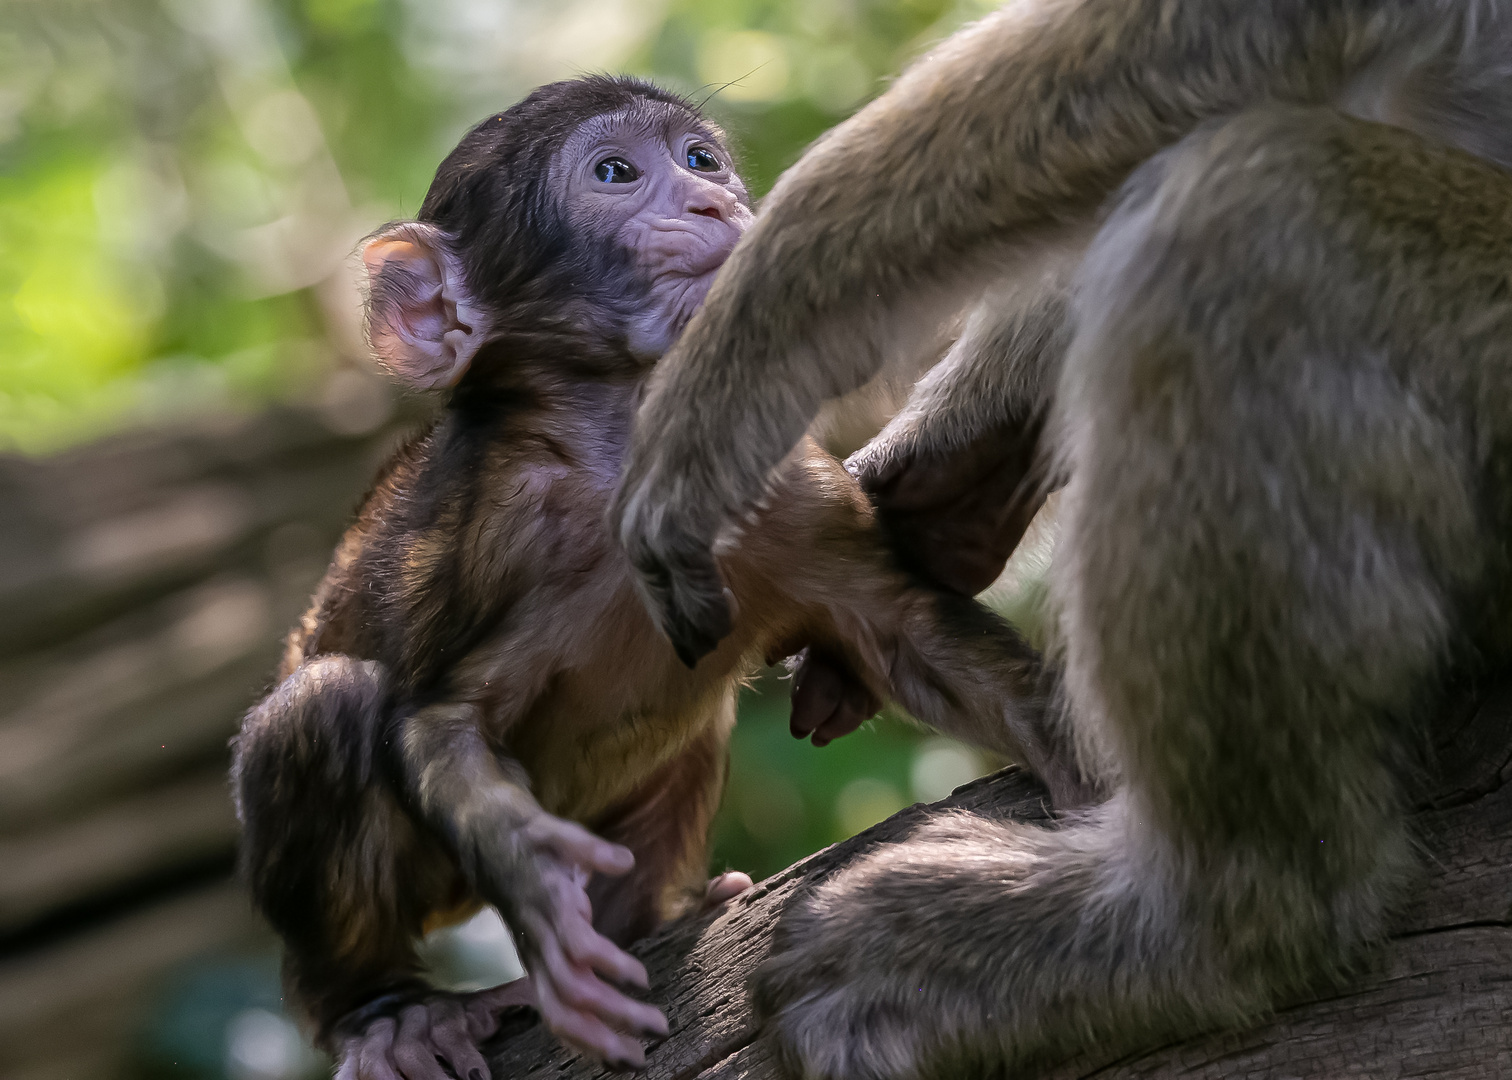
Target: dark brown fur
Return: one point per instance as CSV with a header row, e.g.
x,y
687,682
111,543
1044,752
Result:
x,y
480,581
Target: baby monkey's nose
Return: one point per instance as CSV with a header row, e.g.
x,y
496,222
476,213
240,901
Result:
x,y
708,200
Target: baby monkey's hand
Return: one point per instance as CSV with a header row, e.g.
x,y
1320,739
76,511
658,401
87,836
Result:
x,y
575,970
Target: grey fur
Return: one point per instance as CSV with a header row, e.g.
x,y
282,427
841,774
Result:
x,y
1283,413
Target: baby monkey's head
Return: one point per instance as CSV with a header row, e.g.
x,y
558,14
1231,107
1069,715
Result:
x,y
593,214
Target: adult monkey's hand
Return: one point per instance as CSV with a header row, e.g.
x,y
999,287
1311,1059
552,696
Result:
x,y
954,516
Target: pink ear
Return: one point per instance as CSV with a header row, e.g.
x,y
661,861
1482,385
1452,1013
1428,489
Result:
x,y
422,323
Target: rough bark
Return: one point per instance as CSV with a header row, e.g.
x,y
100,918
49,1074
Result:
x,y
1436,1001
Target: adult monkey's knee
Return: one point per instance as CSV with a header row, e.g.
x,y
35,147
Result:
x,y
1253,213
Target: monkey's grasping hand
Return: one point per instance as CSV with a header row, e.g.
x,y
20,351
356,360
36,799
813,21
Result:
x,y
954,518
677,578
573,967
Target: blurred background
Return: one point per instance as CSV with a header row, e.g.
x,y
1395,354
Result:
x,y
186,422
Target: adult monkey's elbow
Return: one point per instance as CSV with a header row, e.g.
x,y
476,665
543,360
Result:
x,y
893,221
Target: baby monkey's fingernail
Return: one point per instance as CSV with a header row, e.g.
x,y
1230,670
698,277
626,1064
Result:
x,y
476,1074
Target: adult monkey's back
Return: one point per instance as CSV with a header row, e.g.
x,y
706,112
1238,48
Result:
x,y
1277,374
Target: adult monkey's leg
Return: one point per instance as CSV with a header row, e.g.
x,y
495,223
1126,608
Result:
x,y
1292,331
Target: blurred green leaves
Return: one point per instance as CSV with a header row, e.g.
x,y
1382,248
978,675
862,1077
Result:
x,y
182,181
786,798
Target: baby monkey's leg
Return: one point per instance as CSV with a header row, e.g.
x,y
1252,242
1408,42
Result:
x,y
948,660
332,858
959,667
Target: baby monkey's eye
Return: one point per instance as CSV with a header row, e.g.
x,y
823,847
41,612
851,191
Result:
x,y
615,170
702,159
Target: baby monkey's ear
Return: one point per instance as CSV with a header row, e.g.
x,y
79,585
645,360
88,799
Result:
x,y
423,324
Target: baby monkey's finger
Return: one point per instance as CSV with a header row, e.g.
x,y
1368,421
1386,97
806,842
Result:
x,y
580,987
586,947
589,1035
726,886
574,844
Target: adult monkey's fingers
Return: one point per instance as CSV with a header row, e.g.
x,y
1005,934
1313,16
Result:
x,y
817,690
828,699
857,705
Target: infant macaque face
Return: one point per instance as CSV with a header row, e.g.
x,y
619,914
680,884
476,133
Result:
x,y
659,184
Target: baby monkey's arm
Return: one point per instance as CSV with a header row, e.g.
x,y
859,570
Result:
x,y
534,867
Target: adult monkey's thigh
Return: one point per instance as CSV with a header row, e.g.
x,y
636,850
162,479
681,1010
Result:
x,y
1285,411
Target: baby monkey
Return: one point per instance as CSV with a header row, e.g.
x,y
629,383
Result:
x,y
477,709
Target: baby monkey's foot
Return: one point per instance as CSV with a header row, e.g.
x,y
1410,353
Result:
x,y
430,1036
726,886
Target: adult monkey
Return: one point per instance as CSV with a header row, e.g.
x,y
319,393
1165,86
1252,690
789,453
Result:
x,y
1277,381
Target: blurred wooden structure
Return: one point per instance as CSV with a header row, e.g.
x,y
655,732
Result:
x,y
146,583
1437,1002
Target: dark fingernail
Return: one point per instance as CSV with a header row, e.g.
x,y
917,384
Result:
x,y
476,1074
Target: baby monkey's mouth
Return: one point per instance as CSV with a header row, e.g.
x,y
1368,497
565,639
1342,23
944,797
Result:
x,y
687,248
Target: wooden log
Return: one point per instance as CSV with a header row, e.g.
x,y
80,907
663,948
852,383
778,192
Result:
x,y
1436,1000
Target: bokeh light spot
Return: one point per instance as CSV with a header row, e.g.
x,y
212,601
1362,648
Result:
x,y
865,801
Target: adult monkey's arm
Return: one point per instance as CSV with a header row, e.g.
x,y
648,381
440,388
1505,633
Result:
x,y
1012,130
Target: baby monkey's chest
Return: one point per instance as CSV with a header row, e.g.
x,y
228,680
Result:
x,y
621,712
585,771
